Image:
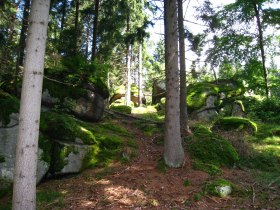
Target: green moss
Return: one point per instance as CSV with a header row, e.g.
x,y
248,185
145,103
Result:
x,y
65,128
5,187
115,128
211,149
9,104
198,93
236,123
161,166
186,182
211,169
212,187
121,108
61,91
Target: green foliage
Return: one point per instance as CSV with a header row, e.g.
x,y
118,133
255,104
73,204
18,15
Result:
x,y
213,186
50,197
197,197
211,169
210,148
9,104
2,158
235,123
121,108
161,166
186,182
5,187
267,110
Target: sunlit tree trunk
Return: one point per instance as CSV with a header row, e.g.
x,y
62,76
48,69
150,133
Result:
x,y
77,6
24,189
140,77
128,66
173,150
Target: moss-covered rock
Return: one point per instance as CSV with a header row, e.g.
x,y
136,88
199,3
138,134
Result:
x,y
9,104
71,145
121,108
220,187
5,187
210,148
235,123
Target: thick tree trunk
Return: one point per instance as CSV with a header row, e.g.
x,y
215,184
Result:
x,y
173,150
95,25
261,45
183,86
24,190
140,78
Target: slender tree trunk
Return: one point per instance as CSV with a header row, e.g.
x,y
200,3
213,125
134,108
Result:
x,y
76,26
173,150
128,76
21,45
183,88
95,25
261,44
87,35
128,66
64,6
140,77
24,190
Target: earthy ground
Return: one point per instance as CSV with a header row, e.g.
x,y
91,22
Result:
x,y
139,184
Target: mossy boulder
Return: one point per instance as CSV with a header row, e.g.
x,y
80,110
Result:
x,y
121,108
211,149
207,100
71,145
235,123
220,187
86,101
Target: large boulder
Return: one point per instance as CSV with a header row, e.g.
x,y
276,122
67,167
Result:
x,y
8,141
86,101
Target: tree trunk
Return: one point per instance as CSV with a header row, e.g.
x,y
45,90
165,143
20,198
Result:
x,y
140,78
24,189
173,150
95,25
21,45
64,6
261,44
76,26
128,76
128,66
183,88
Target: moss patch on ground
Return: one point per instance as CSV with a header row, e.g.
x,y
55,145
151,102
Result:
x,y
210,151
9,104
219,187
235,123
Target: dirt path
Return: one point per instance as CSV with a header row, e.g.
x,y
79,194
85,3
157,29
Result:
x,y
139,184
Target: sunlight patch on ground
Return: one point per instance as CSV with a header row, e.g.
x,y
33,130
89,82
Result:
x,y
126,196
274,140
274,149
103,182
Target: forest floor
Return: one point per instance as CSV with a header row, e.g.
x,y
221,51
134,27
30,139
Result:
x,y
140,183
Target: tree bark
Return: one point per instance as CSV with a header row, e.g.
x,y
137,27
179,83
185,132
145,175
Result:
x,y
64,6
128,66
173,150
183,88
77,6
140,77
24,189
95,25
261,44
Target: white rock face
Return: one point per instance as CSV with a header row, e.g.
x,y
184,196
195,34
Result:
x,y
224,191
8,141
